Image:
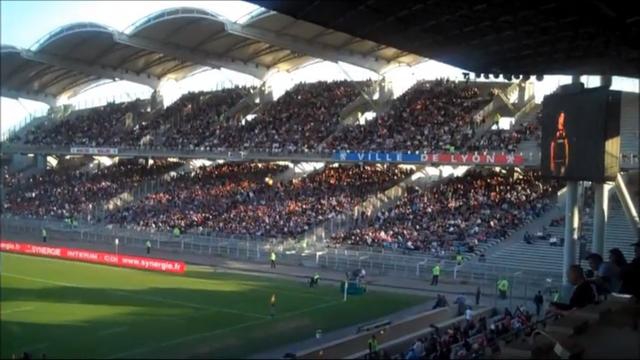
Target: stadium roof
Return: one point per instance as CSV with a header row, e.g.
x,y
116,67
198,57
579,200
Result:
x,y
492,36
174,43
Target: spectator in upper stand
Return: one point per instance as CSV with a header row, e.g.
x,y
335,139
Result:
x,y
583,293
102,126
194,120
300,120
507,140
431,116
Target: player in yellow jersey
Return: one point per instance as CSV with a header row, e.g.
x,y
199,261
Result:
x,y
273,305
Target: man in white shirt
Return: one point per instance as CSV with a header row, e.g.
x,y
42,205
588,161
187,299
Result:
x,y
468,314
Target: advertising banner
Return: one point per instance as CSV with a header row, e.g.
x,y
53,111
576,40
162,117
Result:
x,y
94,151
430,158
126,261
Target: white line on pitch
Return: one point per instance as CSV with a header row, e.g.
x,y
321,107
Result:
x,y
38,346
16,310
188,278
195,336
147,297
114,330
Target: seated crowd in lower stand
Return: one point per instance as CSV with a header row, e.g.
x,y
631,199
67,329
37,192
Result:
x,y
62,193
457,214
244,199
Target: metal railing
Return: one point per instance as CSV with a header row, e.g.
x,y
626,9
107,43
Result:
x,y
523,284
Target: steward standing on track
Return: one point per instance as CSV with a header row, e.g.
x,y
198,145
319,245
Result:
x,y
273,259
44,235
503,288
373,347
148,247
459,259
436,274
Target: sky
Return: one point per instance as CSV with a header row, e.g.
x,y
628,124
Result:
x,y
23,23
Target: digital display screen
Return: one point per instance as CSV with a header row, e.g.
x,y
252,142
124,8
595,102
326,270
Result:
x,y
580,135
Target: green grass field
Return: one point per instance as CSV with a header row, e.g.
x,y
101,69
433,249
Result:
x,y
69,309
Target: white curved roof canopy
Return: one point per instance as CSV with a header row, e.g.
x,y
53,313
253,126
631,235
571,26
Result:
x,y
174,43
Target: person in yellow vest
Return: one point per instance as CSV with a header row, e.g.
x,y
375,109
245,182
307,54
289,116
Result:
x,y
272,303
435,272
176,231
273,259
373,346
503,288
44,235
459,259
148,247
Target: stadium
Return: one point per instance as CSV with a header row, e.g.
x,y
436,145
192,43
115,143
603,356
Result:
x,y
322,180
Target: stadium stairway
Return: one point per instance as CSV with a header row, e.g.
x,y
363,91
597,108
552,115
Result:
x,y
500,105
372,205
248,105
56,115
422,179
157,184
542,257
298,171
351,113
513,253
27,126
629,127
157,135
528,113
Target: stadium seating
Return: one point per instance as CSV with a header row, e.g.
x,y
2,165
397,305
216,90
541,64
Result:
x,y
507,140
540,256
102,126
457,214
61,193
193,120
243,199
429,116
298,121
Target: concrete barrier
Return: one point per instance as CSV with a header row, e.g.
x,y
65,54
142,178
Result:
x,y
396,336
402,343
344,347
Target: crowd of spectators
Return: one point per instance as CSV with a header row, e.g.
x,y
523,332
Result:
x,y
61,193
299,120
243,199
507,140
102,126
194,200
457,214
430,116
194,120
473,339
